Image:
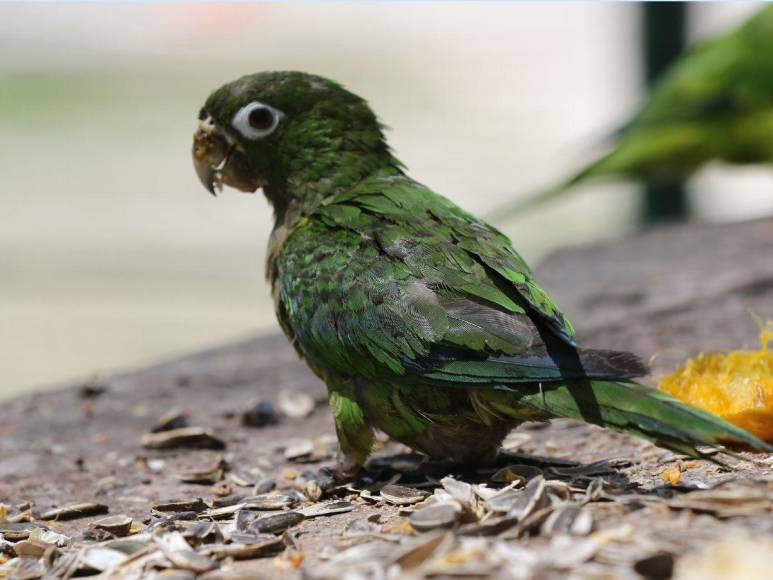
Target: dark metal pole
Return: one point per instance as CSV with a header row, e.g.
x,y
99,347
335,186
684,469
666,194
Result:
x,y
664,34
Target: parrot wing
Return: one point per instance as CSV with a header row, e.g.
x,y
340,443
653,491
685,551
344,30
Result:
x,y
429,290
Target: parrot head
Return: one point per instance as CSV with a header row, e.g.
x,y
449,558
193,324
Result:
x,y
272,129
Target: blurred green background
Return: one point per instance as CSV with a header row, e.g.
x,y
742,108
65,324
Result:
x,y
113,255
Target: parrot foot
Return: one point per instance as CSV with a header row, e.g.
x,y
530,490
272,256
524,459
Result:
x,y
348,467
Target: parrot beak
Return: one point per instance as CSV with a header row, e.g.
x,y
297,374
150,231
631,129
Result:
x,y
218,160
211,149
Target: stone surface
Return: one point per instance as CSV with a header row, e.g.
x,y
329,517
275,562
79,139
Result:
x,y
669,292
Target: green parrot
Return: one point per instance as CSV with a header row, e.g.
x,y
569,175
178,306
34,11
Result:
x,y
714,103
422,320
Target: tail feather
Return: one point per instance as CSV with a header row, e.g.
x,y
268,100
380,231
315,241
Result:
x,y
633,408
615,364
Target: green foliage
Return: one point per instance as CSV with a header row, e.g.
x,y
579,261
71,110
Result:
x,y
714,104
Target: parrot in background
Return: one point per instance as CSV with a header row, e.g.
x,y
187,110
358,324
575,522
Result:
x,y
422,320
714,103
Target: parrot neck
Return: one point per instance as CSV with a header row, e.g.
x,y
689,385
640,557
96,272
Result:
x,y
298,198
306,185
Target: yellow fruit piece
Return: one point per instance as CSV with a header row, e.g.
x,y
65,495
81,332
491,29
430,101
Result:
x,y
737,385
672,475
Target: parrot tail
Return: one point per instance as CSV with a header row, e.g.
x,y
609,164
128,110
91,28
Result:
x,y
628,407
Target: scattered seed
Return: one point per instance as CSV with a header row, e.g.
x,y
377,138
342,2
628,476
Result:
x,y
172,419
264,486
260,415
569,519
594,491
558,490
440,515
276,523
181,505
419,553
272,501
50,537
204,533
181,555
327,509
15,531
175,574
217,502
265,546
359,554
127,546
182,438
75,511
401,495
295,404
222,513
522,473
30,548
299,451
207,476
119,525
240,480
531,499
101,559
461,491
504,501
244,518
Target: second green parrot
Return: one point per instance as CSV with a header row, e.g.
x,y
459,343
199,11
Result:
x,y
714,104
422,320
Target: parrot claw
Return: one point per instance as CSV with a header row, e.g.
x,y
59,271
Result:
x,y
348,467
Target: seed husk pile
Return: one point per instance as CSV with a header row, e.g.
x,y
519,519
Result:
x,y
529,517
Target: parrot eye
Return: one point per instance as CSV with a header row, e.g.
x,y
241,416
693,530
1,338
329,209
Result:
x,y
256,120
261,118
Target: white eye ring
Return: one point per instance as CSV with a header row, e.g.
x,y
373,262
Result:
x,y
244,120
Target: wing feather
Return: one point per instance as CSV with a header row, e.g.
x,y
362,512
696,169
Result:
x,y
391,277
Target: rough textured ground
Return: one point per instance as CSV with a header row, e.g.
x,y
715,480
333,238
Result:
x,y
671,292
